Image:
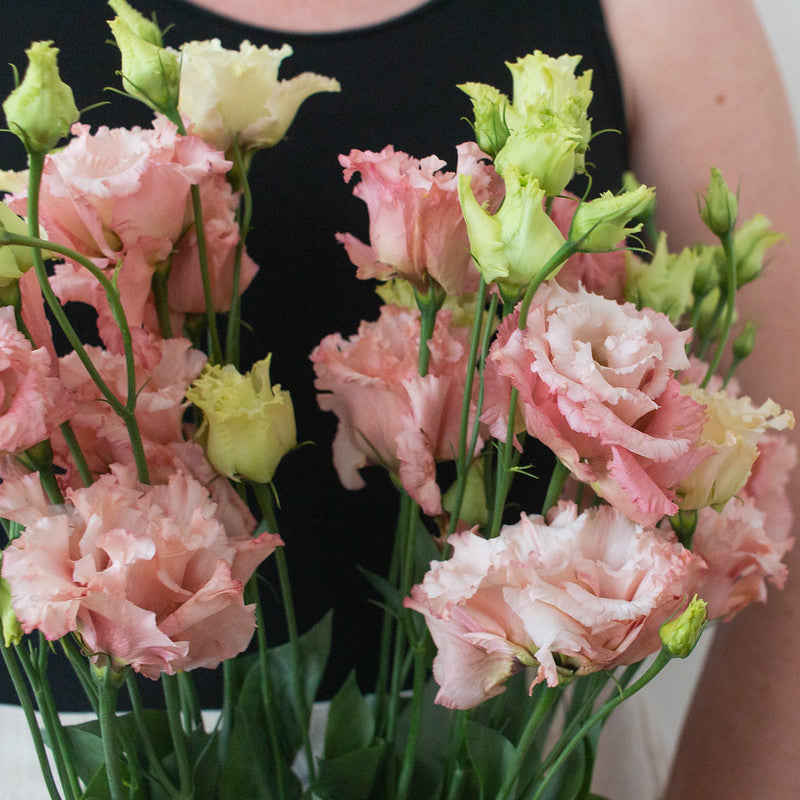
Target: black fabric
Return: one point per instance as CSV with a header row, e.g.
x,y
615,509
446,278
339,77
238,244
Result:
x,y
398,86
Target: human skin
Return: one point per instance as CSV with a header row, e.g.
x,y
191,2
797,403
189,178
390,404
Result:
x,y
701,89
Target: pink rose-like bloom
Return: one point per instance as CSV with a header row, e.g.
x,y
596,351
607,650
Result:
x,y
595,382
164,369
144,574
387,413
33,402
601,273
121,195
584,593
745,542
185,286
416,227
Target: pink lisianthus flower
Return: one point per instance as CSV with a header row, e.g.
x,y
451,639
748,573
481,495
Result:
x,y
584,593
185,285
33,401
121,195
742,552
146,575
601,273
595,382
417,230
387,413
164,369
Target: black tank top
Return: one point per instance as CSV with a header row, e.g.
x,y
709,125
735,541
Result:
x,y
398,86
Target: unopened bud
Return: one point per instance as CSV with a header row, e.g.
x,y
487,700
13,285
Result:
x,y
744,342
721,206
41,109
680,635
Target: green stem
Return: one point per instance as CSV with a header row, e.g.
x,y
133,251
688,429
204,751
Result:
x,y
173,704
30,717
190,705
661,660
556,260
81,669
126,411
232,335
428,305
557,481
62,754
455,771
546,700
407,768
266,691
77,454
109,688
504,475
153,761
730,305
263,494
160,294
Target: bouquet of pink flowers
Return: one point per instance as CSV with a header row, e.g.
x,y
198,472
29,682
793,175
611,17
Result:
x,y
514,311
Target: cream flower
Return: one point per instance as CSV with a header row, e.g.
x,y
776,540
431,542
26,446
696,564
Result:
x,y
229,94
249,424
732,430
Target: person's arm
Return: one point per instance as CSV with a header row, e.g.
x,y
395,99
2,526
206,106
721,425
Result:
x,y
702,89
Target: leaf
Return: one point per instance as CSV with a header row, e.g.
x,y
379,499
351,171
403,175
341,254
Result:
x,y
491,755
249,770
351,724
88,747
351,776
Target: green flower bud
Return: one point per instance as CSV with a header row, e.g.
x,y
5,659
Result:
x,y
12,632
680,635
546,153
15,261
489,106
743,344
514,244
707,269
750,244
41,109
599,225
663,284
474,510
142,27
721,206
149,73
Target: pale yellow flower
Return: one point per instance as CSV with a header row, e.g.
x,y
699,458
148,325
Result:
x,y
248,424
732,431
230,94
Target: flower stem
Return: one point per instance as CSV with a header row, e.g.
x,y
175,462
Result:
x,y
557,481
109,688
661,660
263,494
544,703
30,717
407,768
173,703
232,334
160,295
504,475
730,305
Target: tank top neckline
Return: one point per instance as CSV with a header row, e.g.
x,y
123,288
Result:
x,y
329,35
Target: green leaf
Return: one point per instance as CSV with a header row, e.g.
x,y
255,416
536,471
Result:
x,y
88,747
433,743
491,755
351,724
249,771
351,776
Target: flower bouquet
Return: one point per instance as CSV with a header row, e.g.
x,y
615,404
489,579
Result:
x,y
528,339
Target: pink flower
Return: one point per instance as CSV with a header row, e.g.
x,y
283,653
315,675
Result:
x,y
185,286
387,413
33,402
581,594
416,226
144,574
121,195
742,552
164,369
601,273
595,382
